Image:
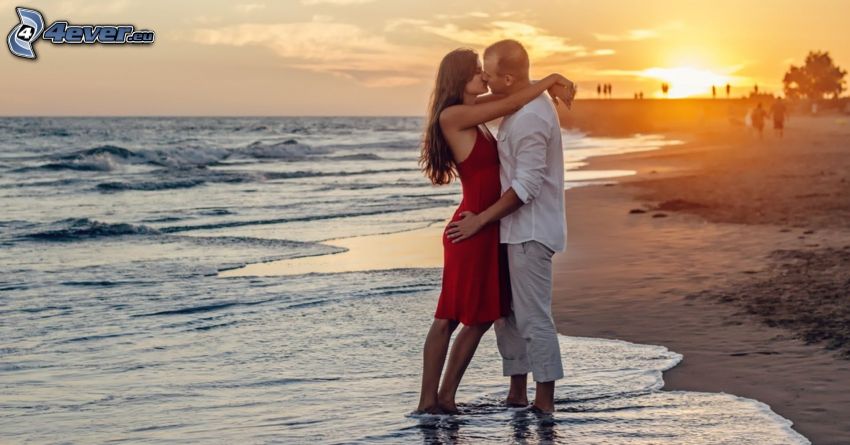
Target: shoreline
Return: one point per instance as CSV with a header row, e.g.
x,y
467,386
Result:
x,y
417,248
641,278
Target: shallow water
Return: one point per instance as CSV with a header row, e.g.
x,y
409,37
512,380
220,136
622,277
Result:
x,y
115,328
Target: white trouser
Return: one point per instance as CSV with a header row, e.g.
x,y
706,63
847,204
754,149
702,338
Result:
x,y
527,338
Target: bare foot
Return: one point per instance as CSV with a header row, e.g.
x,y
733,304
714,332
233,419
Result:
x,y
541,409
448,407
435,409
516,402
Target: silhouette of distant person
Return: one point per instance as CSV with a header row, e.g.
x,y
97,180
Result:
x,y
728,90
713,92
610,90
598,89
777,110
757,118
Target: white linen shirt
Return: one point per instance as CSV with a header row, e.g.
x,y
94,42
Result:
x,y
532,163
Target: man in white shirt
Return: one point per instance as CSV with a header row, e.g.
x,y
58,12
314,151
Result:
x,y
532,225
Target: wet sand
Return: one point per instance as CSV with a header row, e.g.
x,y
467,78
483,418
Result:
x,y
724,275
411,249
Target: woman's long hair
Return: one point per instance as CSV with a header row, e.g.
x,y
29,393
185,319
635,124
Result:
x,y
456,69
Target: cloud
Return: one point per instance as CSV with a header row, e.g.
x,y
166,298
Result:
x,y
631,36
335,2
604,52
324,46
635,35
403,23
247,8
204,20
539,43
478,30
473,14
74,10
406,51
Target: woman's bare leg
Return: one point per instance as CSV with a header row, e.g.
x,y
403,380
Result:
x,y
463,349
433,358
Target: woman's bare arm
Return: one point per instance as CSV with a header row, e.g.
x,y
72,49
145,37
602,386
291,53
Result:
x,y
459,117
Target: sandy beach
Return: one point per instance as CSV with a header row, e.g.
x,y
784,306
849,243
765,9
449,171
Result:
x,y
732,251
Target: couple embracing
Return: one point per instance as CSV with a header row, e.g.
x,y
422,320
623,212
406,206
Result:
x,y
499,244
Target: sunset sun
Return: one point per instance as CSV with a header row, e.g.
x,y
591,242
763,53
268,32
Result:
x,y
686,81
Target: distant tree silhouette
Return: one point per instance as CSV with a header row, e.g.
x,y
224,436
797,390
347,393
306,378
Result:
x,y
817,78
665,88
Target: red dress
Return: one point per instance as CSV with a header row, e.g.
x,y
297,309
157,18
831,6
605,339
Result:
x,y
476,286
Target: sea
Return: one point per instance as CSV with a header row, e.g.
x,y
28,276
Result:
x,y
115,326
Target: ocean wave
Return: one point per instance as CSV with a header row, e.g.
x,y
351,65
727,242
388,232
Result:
x,y
186,165
202,308
101,283
199,176
394,208
111,157
101,158
186,156
51,183
117,186
70,229
393,145
289,149
343,173
255,128
112,150
247,241
93,163
59,132
358,157
195,177
92,337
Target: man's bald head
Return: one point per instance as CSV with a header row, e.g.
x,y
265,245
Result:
x,y
510,57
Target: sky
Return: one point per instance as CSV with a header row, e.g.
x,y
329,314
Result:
x,y
379,57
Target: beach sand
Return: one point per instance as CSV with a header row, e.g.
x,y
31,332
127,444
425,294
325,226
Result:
x,y
411,249
747,273
702,276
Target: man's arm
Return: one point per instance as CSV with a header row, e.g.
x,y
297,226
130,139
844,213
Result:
x,y
530,138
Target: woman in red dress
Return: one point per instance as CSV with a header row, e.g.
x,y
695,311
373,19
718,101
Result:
x,y
475,288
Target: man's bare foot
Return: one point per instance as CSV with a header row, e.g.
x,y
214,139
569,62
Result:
x,y
435,409
541,409
448,407
516,402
